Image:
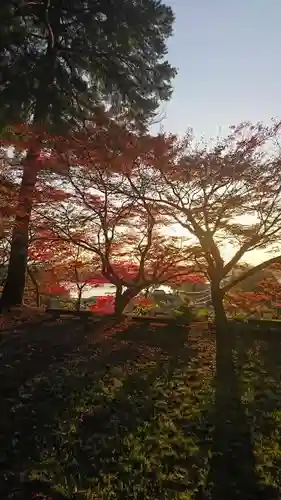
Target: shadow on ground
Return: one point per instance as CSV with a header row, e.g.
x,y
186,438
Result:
x,y
233,468
259,367
132,411
110,410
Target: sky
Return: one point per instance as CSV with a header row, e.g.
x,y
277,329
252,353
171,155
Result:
x,y
228,56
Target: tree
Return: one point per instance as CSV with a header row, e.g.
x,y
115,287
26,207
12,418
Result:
x,y
58,265
60,61
128,236
239,301
226,193
261,291
104,305
253,281
44,265
8,193
77,271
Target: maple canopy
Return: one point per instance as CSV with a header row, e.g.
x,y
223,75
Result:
x,y
128,236
224,193
264,295
113,196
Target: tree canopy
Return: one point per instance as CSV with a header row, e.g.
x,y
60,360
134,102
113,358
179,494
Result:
x,y
61,63
61,60
121,193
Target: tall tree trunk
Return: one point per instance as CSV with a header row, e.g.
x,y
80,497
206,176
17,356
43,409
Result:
x,y
220,315
119,304
223,340
14,287
78,301
36,286
38,301
123,299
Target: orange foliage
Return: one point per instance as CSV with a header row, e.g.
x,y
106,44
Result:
x,y
113,194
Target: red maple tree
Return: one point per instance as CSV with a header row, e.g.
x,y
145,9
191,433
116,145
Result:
x,y
128,236
265,293
227,192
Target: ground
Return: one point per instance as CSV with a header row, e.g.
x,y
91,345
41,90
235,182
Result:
x,y
135,411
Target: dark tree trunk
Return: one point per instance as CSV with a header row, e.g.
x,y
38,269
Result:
x,y
223,338
123,299
14,287
220,315
78,301
36,286
119,306
38,302
37,294
120,303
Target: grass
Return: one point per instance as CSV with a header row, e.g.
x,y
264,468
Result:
x,y
90,410
258,360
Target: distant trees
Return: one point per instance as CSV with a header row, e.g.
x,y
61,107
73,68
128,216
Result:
x,y
260,292
60,63
253,281
56,266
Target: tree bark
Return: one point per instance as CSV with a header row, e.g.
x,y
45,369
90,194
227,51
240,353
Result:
x,y
36,286
220,315
119,304
123,299
14,287
78,301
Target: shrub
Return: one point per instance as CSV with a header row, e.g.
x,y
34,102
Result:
x,y
143,306
185,312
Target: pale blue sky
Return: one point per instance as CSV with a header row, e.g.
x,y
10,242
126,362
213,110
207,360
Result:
x,y
228,55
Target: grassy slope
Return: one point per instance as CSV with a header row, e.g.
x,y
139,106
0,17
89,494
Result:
x,y
129,412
